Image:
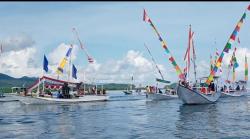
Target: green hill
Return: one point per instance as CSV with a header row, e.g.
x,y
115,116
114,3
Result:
x,y
6,82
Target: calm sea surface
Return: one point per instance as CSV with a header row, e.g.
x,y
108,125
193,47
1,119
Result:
x,y
127,117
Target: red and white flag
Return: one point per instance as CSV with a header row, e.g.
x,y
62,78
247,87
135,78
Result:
x,y
91,60
145,16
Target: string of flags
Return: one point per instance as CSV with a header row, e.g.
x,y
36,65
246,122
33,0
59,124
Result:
x,y
164,45
226,48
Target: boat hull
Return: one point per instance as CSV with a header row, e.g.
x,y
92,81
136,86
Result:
x,y
158,96
189,96
127,92
233,94
47,100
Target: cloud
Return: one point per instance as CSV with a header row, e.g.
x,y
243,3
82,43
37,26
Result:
x,y
60,51
17,42
121,70
19,63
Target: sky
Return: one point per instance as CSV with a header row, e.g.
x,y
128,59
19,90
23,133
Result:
x,y
114,34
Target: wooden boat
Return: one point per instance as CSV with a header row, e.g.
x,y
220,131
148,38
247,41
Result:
x,y
233,93
37,98
192,96
236,92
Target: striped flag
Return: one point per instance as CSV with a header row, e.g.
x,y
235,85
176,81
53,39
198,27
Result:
x,y
64,61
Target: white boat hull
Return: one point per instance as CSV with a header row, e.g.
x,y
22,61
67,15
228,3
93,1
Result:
x,y
47,100
189,96
233,94
158,96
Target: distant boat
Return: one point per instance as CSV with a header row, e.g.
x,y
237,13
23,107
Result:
x,y
129,90
235,92
158,94
232,88
161,95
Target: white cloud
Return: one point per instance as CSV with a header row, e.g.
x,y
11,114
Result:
x,y
60,51
19,63
120,71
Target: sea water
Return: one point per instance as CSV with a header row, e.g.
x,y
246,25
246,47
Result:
x,y
127,116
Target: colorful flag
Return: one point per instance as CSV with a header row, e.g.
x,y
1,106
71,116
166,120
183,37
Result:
x,y
145,16
246,69
45,64
226,48
64,61
211,63
164,45
74,71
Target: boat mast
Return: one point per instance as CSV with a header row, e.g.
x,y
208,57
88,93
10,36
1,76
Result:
x,y
69,65
84,83
194,59
152,58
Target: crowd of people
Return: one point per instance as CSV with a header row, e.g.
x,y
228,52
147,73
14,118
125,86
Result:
x,y
64,92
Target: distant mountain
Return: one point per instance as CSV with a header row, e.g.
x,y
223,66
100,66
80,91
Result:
x,y
8,81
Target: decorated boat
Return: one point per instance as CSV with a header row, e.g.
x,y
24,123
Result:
x,y
198,94
48,90
235,88
190,94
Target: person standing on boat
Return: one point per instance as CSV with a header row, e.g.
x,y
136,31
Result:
x,y
243,87
238,87
65,90
212,87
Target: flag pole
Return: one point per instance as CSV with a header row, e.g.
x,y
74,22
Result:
x,y
84,83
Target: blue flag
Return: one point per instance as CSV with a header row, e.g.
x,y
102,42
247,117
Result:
x,y
74,71
45,64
